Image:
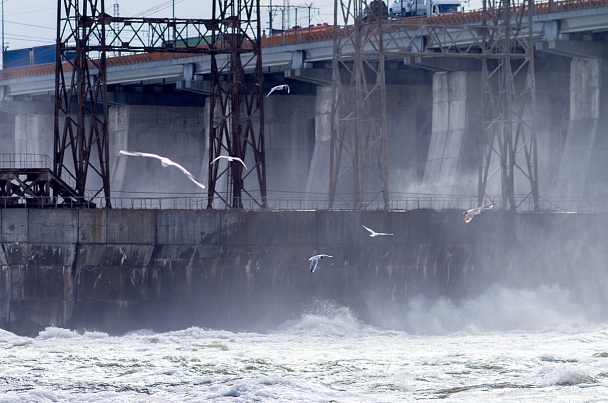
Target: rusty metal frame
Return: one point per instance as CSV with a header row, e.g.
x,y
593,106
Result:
x,y
236,121
81,97
358,124
85,33
508,144
496,36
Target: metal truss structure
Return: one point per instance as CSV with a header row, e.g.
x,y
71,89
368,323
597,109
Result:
x,y
236,123
358,143
498,36
85,35
508,145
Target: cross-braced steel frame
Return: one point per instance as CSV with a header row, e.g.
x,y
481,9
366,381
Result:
x,y
358,143
236,122
85,34
501,38
508,145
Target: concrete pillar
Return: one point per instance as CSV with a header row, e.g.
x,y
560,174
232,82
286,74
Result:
x,y
451,165
34,134
173,132
317,183
289,133
551,118
583,170
408,110
7,133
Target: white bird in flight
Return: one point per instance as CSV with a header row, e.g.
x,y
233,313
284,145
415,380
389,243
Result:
x,y
469,214
373,233
229,158
315,261
165,162
279,87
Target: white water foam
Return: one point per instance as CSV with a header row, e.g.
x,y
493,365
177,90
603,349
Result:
x,y
506,345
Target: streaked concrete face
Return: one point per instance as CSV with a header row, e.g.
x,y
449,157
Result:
x,y
246,270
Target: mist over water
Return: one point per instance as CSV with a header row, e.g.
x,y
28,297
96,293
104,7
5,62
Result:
x,y
504,345
501,309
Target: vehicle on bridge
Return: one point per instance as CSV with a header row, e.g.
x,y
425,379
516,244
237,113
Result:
x,y
401,8
435,7
374,10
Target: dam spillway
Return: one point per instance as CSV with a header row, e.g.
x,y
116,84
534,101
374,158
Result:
x,y
116,270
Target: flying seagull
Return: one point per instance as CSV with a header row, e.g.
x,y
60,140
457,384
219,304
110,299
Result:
x,y
279,87
229,158
469,214
373,233
165,162
315,261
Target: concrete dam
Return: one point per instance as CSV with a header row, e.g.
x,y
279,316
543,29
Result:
x,y
116,270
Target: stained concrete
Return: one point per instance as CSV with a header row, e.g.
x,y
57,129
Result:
x,y
121,270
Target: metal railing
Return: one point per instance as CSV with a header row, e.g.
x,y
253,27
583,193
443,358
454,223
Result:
x,y
32,161
25,161
401,203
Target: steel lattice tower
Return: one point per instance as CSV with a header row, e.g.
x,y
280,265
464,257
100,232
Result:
x,y
502,42
81,97
85,33
236,123
508,142
358,143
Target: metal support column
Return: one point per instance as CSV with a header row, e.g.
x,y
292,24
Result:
x,y
81,129
358,143
85,33
236,124
508,146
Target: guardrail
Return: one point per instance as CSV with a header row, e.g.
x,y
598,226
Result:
x,y
403,203
32,161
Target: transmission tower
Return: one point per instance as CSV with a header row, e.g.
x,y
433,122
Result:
x,y
499,36
358,143
237,103
85,33
508,145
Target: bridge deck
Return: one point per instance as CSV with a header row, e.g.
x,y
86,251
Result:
x,y
306,36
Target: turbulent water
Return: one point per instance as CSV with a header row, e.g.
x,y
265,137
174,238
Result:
x,y
505,346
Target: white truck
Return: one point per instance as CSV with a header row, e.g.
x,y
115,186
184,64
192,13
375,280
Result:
x,y
407,8
435,7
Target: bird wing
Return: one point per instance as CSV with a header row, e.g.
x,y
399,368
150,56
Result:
x,y
313,264
468,218
140,154
241,161
165,162
286,88
271,91
187,173
216,158
371,231
383,233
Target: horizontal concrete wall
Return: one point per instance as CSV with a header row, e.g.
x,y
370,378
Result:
x,y
120,270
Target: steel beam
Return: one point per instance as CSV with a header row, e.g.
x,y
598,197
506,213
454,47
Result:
x,y
358,143
85,33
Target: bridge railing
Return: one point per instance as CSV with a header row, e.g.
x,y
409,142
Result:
x,y
403,203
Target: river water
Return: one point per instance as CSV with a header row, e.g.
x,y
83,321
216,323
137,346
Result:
x,y
508,345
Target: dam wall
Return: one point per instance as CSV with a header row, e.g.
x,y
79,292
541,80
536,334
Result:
x,y
118,270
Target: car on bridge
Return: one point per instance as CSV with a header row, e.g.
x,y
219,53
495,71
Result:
x,y
374,10
401,8
407,8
